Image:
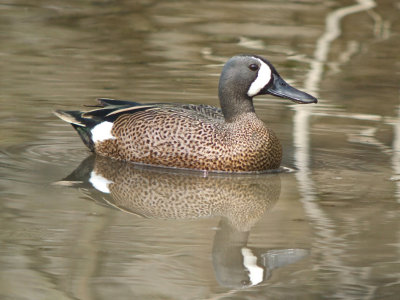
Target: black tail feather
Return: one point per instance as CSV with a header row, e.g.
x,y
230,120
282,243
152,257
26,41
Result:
x,y
107,102
82,125
86,136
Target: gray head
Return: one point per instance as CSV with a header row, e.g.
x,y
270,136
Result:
x,y
246,76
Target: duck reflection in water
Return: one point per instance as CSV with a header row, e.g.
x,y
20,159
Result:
x,y
241,200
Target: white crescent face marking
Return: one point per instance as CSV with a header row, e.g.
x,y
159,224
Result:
x,y
263,77
99,182
102,132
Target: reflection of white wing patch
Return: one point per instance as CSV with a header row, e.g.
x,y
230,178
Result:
x,y
256,273
99,182
263,77
102,132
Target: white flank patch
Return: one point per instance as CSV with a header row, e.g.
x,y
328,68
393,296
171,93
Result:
x,y
99,182
256,273
102,132
263,77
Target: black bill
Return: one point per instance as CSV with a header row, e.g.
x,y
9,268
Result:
x,y
280,88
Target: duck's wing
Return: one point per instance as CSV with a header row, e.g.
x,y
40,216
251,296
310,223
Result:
x,y
108,110
207,111
117,107
103,102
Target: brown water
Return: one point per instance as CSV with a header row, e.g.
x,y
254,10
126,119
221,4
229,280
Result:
x,y
331,229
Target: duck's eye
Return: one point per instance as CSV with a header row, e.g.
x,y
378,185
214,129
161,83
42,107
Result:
x,y
253,67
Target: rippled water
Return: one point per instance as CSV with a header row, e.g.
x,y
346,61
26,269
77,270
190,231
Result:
x,y
330,229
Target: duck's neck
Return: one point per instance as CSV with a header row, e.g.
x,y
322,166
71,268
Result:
x,y
233,105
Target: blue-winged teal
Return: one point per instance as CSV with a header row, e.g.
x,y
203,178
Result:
x,y
204,137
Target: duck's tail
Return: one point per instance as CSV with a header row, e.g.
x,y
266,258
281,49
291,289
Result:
x,y
82,125
106,110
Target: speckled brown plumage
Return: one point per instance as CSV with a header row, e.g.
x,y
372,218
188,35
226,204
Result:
x,y
179,139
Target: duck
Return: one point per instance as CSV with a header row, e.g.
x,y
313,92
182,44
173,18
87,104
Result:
x,y
230,139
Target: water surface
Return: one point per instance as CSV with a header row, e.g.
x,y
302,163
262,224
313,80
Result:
x,y
330,229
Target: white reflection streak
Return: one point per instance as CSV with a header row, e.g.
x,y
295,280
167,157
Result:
x,y
302,116
396,154
324,226
323,44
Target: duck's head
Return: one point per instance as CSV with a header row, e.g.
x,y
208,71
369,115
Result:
x,y
246,76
